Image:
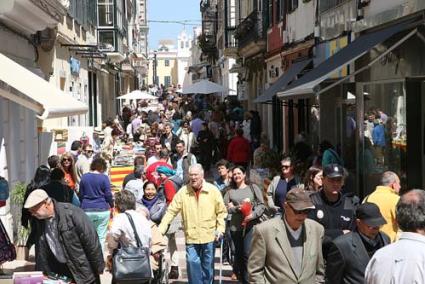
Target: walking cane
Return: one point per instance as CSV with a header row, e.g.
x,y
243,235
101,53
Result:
x,y
221,260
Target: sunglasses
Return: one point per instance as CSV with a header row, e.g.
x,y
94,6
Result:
x,y
66,159
299,212
89,151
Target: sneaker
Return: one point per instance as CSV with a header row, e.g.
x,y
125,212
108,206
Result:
x,y
174,273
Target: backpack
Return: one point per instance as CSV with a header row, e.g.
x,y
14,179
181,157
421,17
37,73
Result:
x,y
4,189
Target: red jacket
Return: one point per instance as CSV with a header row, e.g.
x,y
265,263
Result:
x,y
239,150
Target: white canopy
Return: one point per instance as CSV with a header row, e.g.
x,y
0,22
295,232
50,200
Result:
x,y
137,95
32,92
203,87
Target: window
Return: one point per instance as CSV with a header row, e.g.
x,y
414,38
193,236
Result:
x,y
187,44
182,44
167,81
384,130
166,62
277,11
106,40
105,11
281,9
292,5
270,13
325,5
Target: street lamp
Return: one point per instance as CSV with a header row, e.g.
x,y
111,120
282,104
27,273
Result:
x,y
155,64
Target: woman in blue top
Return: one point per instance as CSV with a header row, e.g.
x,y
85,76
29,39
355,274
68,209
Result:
x,y
96,197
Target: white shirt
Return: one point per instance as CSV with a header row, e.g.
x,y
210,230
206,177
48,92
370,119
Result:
x,y
402,262
122,233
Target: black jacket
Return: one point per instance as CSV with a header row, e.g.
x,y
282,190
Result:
x,y
79,241
334,217
348,258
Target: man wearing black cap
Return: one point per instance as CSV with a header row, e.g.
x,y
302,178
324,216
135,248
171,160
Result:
x,y
334,210
288,249
349,254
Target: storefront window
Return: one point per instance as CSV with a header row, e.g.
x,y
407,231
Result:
x,y
384,132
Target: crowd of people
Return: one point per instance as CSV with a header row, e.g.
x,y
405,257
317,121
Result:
x,y
301,226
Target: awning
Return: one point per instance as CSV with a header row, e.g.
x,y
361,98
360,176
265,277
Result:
x,y
29,90
309,82
283,81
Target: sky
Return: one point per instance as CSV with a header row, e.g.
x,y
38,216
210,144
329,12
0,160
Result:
x,y
171,10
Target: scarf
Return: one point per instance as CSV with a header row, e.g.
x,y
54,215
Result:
x,y
149,202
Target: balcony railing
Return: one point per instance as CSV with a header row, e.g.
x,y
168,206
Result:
x,y
250,29
230,38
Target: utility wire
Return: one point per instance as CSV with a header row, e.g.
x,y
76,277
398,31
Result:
x,y
182,22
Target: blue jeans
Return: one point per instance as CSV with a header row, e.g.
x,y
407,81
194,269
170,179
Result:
x,y
199,260
100,221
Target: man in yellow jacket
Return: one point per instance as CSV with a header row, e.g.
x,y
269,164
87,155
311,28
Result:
x,y
386,197
203,213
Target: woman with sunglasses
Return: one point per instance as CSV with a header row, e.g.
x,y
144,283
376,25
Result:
x,y
245,202
67,164
280,185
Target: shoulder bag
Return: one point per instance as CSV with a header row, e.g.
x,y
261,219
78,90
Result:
x,y
132,264
266,214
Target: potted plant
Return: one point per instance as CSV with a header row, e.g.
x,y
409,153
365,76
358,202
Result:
x,y
21,233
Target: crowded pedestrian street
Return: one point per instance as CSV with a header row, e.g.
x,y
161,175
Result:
x,y
212,141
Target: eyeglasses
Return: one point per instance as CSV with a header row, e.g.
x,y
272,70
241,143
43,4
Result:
x,y
89,151
285,167
66,159
300,212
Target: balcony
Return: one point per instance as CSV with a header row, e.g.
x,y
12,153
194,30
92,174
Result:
x,y
251,35
207,43
230,44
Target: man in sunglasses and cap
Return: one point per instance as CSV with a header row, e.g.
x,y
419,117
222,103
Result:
x,y
67,243
288,249
349,254
334,210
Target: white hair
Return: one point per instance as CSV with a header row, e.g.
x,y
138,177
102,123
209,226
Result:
x,y
197,168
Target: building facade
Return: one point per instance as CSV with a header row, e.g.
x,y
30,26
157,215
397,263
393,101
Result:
x,y
163,66
323,67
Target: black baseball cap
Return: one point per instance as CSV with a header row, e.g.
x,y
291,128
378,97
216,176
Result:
x,y
370,214
333,171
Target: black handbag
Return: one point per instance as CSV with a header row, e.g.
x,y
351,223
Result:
x,y
7,249
132,264
265,216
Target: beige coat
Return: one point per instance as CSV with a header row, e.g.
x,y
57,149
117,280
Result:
x,y
271,256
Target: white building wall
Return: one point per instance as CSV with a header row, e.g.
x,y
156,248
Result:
x,y
300,23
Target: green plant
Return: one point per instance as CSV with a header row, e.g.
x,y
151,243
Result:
x,y
17,197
